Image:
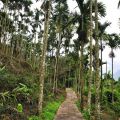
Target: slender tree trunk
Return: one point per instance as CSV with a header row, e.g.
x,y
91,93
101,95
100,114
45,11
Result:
x,y
78,86
5,28
55,72
76,82
56,64
11,41
112,80
56,80
97,79
101,58
106,68
15,49
81,79
43,57
7,36
90,74
15,41
34,53
30,53
101,86
0,31
0,36
69,81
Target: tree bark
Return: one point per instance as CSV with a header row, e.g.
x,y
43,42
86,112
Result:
x,y
101,86
81,79
43,57
97,79
112,80
90,73
56,64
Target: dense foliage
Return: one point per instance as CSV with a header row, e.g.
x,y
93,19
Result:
x,y
45,49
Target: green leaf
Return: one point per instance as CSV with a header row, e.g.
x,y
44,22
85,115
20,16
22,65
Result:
x,y
20,108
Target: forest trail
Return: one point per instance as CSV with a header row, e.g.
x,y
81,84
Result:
x,y
68,110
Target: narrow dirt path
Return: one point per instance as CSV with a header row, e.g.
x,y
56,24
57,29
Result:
x,y
68,110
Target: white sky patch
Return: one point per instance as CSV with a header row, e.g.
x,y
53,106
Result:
x,y
36,5
1,4
72,5
113,15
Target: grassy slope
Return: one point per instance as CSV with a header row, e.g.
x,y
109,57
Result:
x,y
50,109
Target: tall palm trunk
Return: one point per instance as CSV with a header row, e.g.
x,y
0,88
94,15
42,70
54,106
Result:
x,y
112,80
15,41
43,57
78,76
55,72
101,86
55,84
90,78
7,29
81,79
4,27
97,79
0,30
69,81
56,64
12,32
76,83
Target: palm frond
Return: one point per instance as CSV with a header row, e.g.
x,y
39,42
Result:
x,y
119,4
111,54
101,9
102,27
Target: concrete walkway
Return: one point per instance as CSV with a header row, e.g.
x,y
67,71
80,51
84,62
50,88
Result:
x,y
68,110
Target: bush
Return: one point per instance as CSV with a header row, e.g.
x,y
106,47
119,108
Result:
x,y
34,118
86,114
49,111
107,95
116,107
